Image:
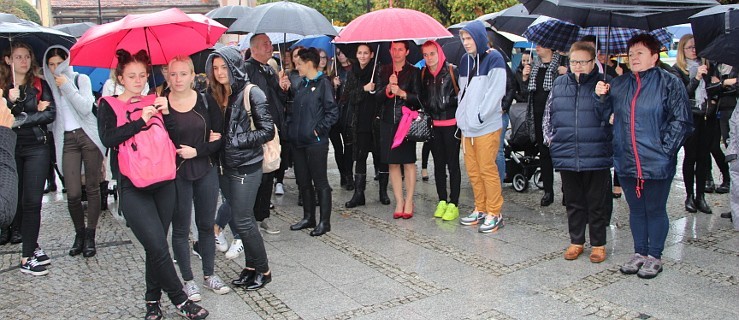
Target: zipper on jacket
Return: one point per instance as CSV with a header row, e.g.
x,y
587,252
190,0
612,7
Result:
x,y
577,148
632,123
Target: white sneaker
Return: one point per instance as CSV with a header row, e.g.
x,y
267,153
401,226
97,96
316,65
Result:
x,y
192,291
279,190
221,242
237,247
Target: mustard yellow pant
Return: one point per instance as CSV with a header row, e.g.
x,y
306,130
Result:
x,y
479,159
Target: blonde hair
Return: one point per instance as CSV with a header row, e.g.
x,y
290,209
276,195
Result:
x,y
182,58
681,62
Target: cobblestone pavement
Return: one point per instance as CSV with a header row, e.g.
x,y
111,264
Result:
x,y
373,267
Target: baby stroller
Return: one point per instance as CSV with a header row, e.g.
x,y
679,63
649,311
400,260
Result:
x,y
521,154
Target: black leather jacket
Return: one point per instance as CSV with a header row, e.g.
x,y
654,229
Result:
x,y
439,94
409,80
34,129
242,146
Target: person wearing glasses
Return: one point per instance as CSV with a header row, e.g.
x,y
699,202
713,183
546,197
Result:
x,y
27,93
579,140
694,74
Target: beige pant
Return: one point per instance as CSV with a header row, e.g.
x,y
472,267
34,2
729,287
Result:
x,y
479,159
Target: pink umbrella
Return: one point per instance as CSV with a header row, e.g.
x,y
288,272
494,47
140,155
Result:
x,y
390,25
163,34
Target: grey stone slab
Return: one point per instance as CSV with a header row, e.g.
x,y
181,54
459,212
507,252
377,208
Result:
x,y
404,312
374,290
315,304
731,244
703,258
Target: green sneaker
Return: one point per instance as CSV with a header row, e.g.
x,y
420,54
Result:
x,y
440,209
451,213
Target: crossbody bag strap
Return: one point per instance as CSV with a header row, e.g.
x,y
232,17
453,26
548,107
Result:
x,y
247,104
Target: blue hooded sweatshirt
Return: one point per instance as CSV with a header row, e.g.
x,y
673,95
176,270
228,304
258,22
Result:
x,y
482,82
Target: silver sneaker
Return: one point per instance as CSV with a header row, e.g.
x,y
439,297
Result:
x,y
192,291
279,189
268,227
651,268
492,223
633,266
215,283
473,218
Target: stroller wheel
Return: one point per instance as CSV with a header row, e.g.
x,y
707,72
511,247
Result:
x,y
537,179
520,183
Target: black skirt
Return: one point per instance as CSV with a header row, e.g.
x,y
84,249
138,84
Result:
x,y
404,153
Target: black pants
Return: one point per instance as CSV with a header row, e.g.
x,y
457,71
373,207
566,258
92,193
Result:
x,y
204,194
698,154
363,145
285,161
149,214
310,166
718,155
335,136
445,148
264,197
545,158
241,192
425,151
32,162
589,202
80,150
724,122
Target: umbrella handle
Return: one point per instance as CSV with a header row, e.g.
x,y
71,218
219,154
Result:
x,y
12,71
374,68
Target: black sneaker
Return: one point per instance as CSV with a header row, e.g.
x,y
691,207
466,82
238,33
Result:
x,y
192,311
41,257
33,267
153,311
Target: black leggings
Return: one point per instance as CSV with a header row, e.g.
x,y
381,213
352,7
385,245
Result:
x,y
363,145
32,162
698,154
149,214
425,151
445,148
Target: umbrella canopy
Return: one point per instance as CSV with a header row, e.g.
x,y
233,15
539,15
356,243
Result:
x,y
678,31
554,34
619,37
514,19
199,58
717,34
284,17
638,14
319,42
98,76
382,51
390,25
7,17
163,34
38,37
502,41
75,29
277,39
227,15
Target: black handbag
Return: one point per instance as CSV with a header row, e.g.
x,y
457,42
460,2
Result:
x,y
420,130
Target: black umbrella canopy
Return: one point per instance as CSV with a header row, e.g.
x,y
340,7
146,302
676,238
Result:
x,y
716,32
286,17
227,15
514,19
38,37
451,46
639,14
74,29
7,17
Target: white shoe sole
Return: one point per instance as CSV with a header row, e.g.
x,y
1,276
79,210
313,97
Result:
x,y
195,297
35,273
223,290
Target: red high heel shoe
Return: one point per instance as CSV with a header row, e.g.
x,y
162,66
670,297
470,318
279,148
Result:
x,y
398,215
408,215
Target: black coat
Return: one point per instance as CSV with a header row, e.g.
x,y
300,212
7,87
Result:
x,y
8,177
266,79
409,80
364,107
34,129
439,94
314,109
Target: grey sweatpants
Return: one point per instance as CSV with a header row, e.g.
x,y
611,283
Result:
x,y
734,195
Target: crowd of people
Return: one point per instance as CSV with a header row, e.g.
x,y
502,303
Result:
x,y
634,119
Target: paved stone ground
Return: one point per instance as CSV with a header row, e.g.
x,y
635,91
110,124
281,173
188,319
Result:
x,y
373,267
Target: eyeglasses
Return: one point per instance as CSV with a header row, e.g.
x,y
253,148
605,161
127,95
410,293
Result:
x,y
690,48
580,63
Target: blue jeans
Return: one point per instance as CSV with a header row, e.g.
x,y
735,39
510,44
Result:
x,y
648,214
500,160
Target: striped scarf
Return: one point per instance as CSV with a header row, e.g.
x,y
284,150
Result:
x,y
548,78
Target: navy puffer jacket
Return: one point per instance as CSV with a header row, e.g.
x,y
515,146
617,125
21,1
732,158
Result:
x,y
652,118
581,139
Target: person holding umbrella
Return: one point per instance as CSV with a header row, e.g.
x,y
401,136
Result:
x,y
25,92
242,155
399,86
651,119
77,144
147,211
314,112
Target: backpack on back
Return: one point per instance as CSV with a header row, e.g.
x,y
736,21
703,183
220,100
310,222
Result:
x,y
147,158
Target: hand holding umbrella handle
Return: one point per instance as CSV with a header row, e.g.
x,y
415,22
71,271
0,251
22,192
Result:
x,y
601,89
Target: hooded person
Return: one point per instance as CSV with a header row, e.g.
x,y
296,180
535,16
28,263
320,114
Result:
x,y
77,143
242,155
439,88
482,82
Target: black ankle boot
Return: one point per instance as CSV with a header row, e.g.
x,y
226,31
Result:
x,y
245,278
79,239
300,200
547,199
725,187
88,249
690,204
16,236
384,179
4,236
702,205
309,211
104,195
50,186
324,225
342,180
349,183
360,182
710,186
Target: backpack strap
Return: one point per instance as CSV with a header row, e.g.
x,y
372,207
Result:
x,y
247,104
454,81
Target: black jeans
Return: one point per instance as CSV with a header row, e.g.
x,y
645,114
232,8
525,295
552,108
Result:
x,y
545,158
698,154
335,136
425,151
445,149
264,197
32,162
204,194
241,192
149,214
363,145
310,166
80,150
589,203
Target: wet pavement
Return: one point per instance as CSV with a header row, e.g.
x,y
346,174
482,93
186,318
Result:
x,y
373,267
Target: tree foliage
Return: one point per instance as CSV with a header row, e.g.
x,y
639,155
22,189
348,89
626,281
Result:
x,y
21,9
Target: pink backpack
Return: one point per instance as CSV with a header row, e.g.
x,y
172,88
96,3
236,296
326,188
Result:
x,y
148,157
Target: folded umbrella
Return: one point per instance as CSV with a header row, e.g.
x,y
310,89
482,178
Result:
x,y
716,32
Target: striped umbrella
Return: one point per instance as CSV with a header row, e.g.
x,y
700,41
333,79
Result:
x,y
553,34
617,44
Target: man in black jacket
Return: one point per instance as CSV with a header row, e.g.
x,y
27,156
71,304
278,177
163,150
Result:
x,y
261,74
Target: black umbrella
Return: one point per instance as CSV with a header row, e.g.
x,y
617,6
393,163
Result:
x,y
75,29
285,17
199,58
514,19
716,32
38,37
453,53
227,15
7,17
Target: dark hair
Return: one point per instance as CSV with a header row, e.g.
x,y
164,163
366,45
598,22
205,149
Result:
x,y
56,52
372,50
125,58
583,46
405,43
5,70
589,38
647,40
310,54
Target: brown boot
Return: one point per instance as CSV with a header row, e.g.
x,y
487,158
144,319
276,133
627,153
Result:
x,y
573,251
598,254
